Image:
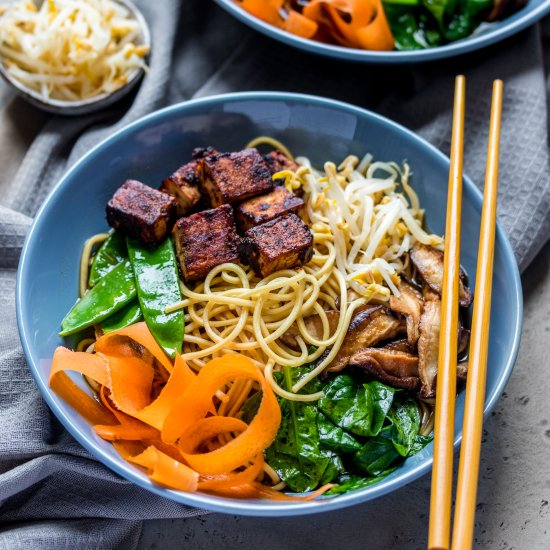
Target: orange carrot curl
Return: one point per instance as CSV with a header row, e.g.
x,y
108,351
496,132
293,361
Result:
x,y
175,435
353,23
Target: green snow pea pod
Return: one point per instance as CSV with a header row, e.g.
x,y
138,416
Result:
x,y
112,252
157,283
128,315
110,294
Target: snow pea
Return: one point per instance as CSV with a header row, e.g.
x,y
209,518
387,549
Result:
x,y
157,283
109,295
122,318
112,252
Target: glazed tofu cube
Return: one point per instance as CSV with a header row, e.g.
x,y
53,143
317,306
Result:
x,y
141,212
277,162
183,185
202,152
228,178
204,240
283,243
265,208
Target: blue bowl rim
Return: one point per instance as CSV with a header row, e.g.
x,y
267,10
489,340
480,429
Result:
x,y
235,506
459,47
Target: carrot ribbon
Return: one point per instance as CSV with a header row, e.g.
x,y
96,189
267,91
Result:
x,y
352,23
171,435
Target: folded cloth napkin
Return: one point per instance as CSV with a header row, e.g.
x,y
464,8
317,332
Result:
x,y
52,492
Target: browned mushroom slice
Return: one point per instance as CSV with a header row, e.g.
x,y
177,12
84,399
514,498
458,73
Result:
x,y
367,328
395,368
429,262
462,372
400,345
314,327
428,346
411,304
463,338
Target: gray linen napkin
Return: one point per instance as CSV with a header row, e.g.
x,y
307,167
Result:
x,y
52,493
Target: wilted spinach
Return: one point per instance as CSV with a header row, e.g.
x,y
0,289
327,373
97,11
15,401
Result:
x,y
378,453
296,453
348,404
418,24
351,482
356,435
251,406
383,399
334,438
405,419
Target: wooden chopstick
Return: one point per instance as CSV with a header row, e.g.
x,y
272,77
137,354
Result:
x,y
442,472
468,470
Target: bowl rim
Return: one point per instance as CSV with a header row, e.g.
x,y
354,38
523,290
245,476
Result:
x,y
91,103
235,506
524,18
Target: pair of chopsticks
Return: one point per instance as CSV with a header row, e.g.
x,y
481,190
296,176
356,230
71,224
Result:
x,y
439,533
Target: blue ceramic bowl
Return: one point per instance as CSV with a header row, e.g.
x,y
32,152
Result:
x,y
155,146
535,10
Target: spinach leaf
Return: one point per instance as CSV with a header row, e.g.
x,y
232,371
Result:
x,y
412,28
378,453
351,482
420,441
251,406
383,399
295,454
405,418
334,438
348,404
465,18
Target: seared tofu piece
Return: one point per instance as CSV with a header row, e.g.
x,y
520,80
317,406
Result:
x,y
204,240
202,152
141,212
228,178
282,243
183,185
277,161
265,208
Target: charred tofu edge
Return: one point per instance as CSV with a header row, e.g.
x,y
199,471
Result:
x,y
141,212
227,178
283,243
183,185
264,208
204,240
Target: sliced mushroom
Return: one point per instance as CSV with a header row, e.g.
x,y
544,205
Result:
x,y
429,262
367,328
411,304
314,327
400,345
428,346
463,337
395,368
462,372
